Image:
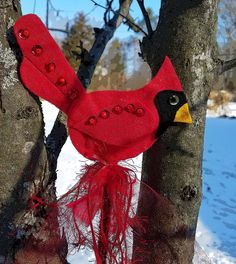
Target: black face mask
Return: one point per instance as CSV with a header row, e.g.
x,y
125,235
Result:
x,y
167,104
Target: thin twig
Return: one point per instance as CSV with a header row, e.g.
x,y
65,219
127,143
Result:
x,y
131,24
107,12
146,17
128,21
127,18
226,65
59,30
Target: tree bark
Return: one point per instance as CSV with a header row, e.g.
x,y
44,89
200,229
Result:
x,y
186,32
24,169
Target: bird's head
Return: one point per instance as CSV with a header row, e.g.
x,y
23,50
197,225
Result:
x,y
169,98
173,108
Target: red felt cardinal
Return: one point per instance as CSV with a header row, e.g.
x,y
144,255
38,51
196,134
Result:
x,y
104,126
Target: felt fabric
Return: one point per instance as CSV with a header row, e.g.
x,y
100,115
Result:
x,y
104,126
44,66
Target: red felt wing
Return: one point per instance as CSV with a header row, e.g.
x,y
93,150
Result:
x,y
44,69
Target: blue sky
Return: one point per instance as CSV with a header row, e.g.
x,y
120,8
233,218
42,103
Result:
x,y
69,8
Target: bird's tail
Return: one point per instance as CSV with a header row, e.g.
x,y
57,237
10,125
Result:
x,y
102,211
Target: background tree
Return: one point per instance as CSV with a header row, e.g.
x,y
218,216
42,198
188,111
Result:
x,y
81,36
226,36
186,32
111,67
227,21
115,77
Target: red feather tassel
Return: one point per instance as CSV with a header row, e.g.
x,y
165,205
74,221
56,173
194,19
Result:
x,y
102,211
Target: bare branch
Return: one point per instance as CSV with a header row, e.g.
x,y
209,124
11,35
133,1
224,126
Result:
x,y
59,30
108,10
146,17
56,139
131,24
226,65
103,36
127,19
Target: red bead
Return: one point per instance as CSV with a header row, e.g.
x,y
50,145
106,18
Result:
x,y
50,67
37,50
24,33
104,114
140,111
92,121
73,94
117,109
61,81
130,108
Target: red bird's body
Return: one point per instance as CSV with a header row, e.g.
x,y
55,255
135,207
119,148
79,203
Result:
x,y
104,126
113,125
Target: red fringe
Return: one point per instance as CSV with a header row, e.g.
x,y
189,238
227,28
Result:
x,y
102,211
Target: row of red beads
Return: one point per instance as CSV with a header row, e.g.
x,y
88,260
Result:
x,y
37,50
130,108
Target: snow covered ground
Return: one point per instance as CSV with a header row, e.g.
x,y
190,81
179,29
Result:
x,y
228,110
216,232
217,223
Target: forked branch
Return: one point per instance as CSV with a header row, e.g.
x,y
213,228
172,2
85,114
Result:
x,y
225,66
146,17
127,19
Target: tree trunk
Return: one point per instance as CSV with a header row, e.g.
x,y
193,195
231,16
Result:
x,y
24,169
186,32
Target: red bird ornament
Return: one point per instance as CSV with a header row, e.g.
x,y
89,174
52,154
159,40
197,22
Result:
x,y
106,127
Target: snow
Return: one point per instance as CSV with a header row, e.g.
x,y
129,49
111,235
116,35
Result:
x,y
217,226
228,110
216,231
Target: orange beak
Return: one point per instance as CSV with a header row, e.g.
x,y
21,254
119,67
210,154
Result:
x,y
183,115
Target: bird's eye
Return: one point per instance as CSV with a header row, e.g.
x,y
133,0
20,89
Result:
x,y
173,100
